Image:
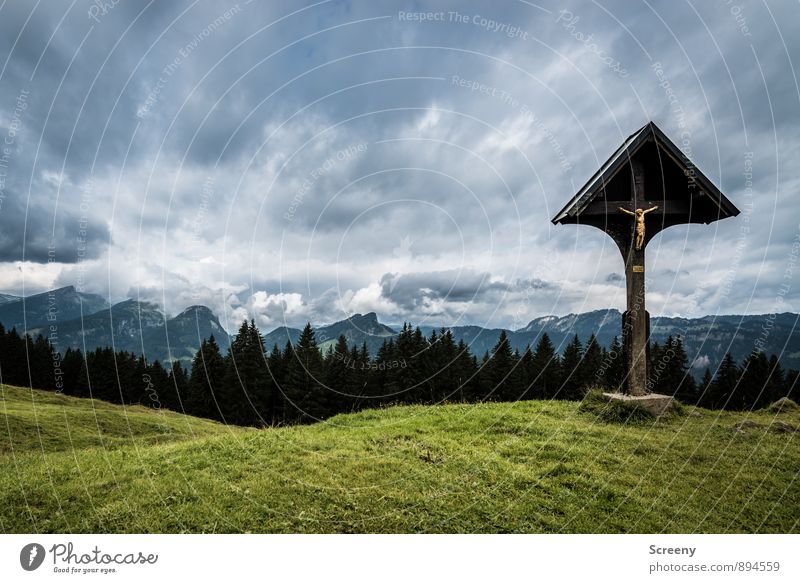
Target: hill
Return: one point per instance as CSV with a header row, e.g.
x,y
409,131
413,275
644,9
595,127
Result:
x,y
141,328
357,329
183,335
530,466
42,422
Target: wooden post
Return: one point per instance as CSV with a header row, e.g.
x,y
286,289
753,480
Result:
x,y
635,335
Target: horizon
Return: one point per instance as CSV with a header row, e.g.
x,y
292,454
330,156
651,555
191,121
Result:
x,y
395,326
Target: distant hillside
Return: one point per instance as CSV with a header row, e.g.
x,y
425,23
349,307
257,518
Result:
x,y
61,305
525,467
141,328
5,298
184,333
357,329
706,339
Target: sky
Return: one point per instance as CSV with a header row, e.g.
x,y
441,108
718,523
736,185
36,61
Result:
x,y
293,162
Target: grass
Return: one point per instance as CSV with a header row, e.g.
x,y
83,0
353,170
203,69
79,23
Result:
x,y
531,466
49,422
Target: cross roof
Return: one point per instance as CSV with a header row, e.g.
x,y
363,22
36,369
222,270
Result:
x,y
683,191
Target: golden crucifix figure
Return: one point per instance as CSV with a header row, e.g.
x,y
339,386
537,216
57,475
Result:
x,y
639,214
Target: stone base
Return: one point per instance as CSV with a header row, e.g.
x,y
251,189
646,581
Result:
x,y
655,404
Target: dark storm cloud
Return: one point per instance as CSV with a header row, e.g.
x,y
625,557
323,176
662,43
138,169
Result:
x,y
33,234
202,125
413,290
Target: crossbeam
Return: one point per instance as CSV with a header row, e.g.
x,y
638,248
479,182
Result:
x,y
604,207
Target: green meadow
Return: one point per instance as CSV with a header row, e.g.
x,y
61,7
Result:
x,y
72,465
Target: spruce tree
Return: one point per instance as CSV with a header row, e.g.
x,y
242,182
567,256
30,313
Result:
x,y
465,373
546,369
178,387
705,384
71,364
527,370
680,376
571,381
305,379
239,390
276,370
723,385
792,385
501,372
752,388
776,383
615,371
339,371
591,365
206,381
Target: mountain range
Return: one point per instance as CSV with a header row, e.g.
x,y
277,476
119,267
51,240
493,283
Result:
x,y
73,319
5,298
705,339
87,321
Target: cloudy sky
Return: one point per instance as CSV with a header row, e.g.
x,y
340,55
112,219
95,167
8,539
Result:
x,y
291,161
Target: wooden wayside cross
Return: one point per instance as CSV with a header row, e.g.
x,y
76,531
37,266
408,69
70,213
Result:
x,y
646,186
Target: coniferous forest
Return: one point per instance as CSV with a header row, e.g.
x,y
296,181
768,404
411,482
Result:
x,y
258,385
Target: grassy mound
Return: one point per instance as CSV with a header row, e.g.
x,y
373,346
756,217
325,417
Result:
x,y
531,466
784,405
624,412
50,422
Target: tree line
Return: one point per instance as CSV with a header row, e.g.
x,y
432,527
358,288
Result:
x,y
253,385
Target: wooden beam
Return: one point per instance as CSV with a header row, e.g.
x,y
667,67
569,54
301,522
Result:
x,y
634,332
673,208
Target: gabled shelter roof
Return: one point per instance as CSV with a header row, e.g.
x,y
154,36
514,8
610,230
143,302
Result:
x,y
649,141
